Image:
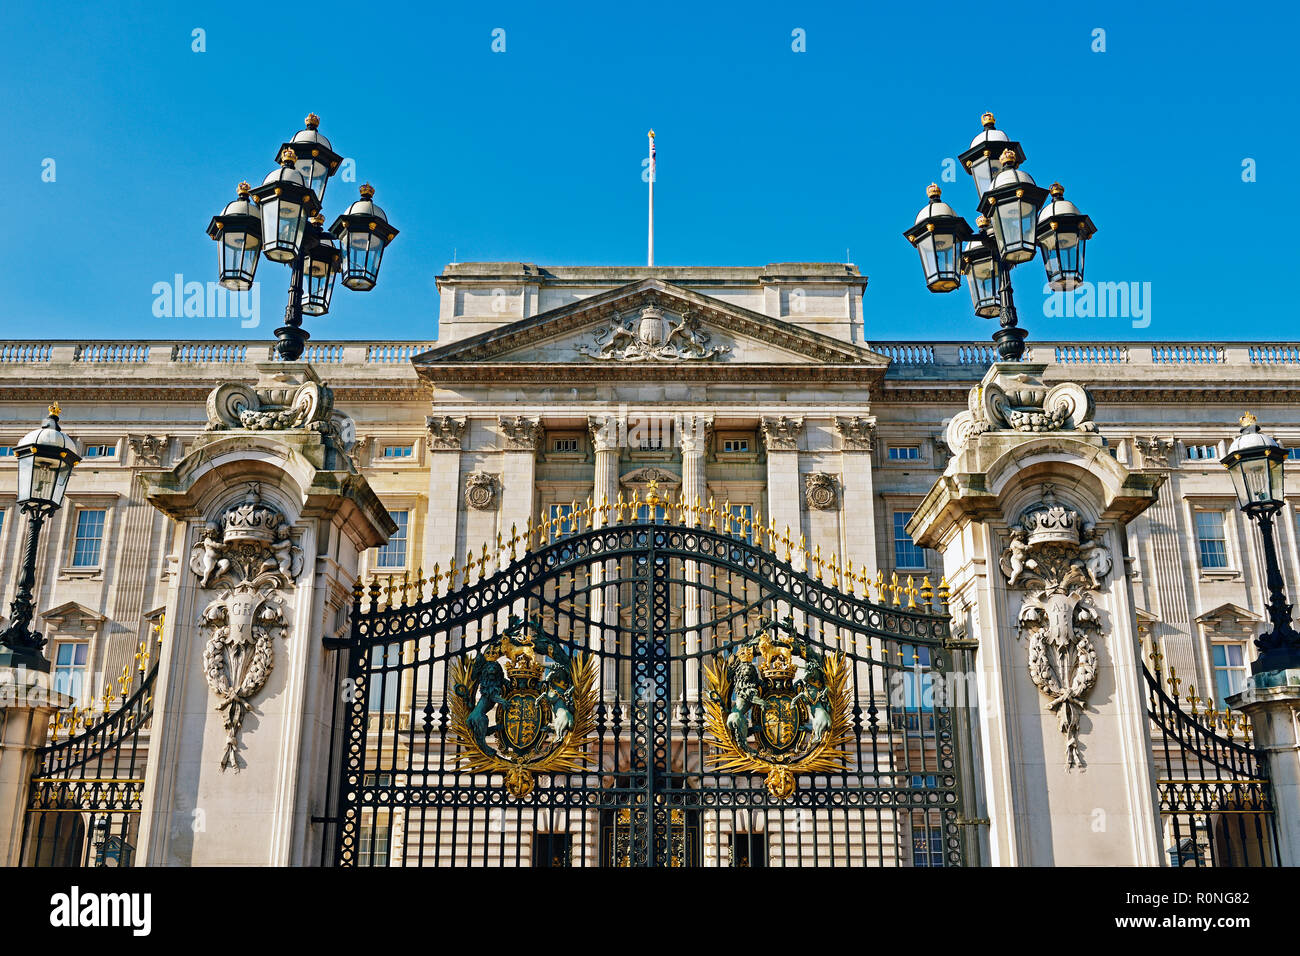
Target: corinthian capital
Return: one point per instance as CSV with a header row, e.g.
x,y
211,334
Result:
x,y
693,434
856,434
782,434
444,432
521,434
604,432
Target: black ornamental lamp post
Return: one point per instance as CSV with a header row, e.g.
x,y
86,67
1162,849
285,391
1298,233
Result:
x,y
1254,460
281,220
45,457
1014,223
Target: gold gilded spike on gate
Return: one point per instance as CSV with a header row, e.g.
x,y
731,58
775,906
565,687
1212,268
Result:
x,y
713,514
893,587
785,539
514,542
817,561
910,591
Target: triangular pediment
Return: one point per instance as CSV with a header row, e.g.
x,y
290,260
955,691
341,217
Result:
x,y
72,616
1230,614
653,323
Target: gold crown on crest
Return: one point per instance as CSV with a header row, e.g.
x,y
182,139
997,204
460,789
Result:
x,y
250,520
778,659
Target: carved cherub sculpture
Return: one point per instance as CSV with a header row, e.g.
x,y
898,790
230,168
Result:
x,y
1095,556
211,564
1016,555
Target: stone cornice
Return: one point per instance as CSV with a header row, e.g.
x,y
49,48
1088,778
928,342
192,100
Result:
x,y
444,374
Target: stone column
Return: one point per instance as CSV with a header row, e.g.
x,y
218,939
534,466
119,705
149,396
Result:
x,y
443,441
603,611
27,701
1272,702
693,436
781,437
520,439
858,503
270,520
1030,518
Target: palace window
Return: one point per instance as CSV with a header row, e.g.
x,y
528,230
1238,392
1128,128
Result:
x,y
1229,671
904,452
563,522
552,849
1292,453
748,850
397,451
89,539
1202,452
906,553
374,843
6,451
1210,539
2,524
927,839
643,513
100,451
733,445
384,684
912,688
393,554
564,444
739,522
70,668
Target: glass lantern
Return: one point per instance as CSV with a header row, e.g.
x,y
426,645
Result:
x,y
1063,232
287,203
1012,205
937,236
365,233
238,233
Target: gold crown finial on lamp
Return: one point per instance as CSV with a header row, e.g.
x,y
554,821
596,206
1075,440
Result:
x,y
987,120
1057,190
288,157
243,189
367,191
55,410
1248,419
1008,159
933,192
312,121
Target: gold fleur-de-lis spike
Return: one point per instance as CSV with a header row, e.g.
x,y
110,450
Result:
x,y
848,573
817,561
589,513
483,562
1174,680
910,591
435,580
713,514
406,588
880,587
451,575
785,540
1191,696
1227,724
514,542
469,566
894,588
419,583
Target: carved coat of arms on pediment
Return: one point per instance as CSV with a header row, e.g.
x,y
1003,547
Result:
x,y
652,335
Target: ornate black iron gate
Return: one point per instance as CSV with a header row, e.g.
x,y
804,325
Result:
x,y
649,686
1216,802
86,792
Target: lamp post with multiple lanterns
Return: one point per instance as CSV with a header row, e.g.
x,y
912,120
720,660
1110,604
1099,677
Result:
x,y
45,457
1254,460
281,220
1013,224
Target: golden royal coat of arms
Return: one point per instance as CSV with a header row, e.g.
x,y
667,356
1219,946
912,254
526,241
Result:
x,y
523,705
780,708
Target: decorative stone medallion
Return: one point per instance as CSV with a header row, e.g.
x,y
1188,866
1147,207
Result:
x,y
480,490
819,490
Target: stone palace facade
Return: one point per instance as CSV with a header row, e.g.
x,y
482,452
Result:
x,y
756,389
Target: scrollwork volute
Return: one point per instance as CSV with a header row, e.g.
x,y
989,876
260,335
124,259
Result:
x,y
248,555
1018,400
1059,561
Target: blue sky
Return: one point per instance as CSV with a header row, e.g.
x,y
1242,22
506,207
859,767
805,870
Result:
x,y
534,154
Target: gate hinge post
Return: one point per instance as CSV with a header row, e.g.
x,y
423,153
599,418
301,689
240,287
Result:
x,y
961,643
973,822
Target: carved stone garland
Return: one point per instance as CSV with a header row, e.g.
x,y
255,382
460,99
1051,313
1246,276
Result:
x,y
1060,563
250,556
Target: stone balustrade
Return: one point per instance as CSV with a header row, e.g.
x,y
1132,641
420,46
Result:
x,y
951,359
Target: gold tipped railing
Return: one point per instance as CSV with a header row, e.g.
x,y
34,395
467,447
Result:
x,y
386,592
77,719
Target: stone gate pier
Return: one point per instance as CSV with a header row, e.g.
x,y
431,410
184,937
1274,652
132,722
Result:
x,y
270,517
1030,518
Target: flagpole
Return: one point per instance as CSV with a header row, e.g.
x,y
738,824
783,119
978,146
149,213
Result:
x,y
650,252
